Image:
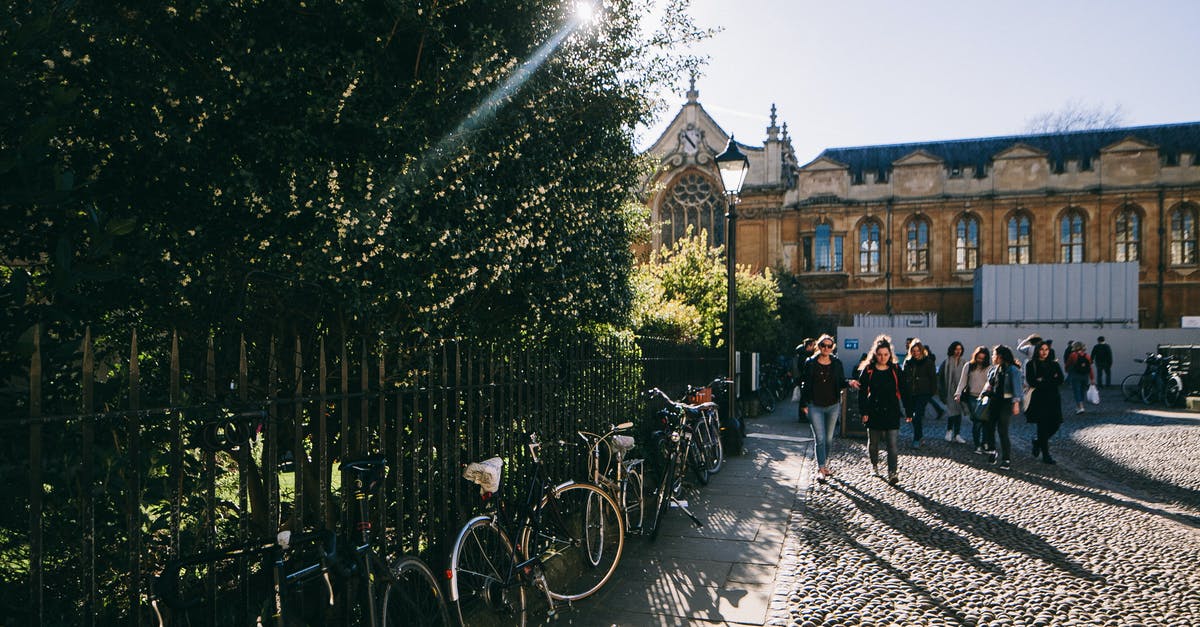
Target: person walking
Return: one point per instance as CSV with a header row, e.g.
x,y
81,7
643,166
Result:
x,y
804,350
1002,396
970,386
1044,375
880,402
1080,375
822,379
921,375
948,379
1102,357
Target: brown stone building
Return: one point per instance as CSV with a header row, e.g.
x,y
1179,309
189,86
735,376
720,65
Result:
x,y
902,228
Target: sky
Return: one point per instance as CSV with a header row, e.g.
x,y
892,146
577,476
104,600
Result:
x,y
866,72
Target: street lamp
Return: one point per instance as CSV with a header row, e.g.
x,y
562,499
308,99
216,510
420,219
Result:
x,y
733,166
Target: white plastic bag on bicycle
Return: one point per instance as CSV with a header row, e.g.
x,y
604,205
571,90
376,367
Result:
x,y
486,474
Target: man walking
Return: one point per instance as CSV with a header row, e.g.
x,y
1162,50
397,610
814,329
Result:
x,y
1102,358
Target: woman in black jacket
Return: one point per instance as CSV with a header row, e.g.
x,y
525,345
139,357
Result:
x,y
922,386
822,379
881,386
1044,375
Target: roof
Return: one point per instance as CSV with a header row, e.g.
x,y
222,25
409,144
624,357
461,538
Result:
x,y
1171,140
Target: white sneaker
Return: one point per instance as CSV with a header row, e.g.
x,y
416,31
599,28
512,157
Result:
x,y
1079,410
959,439
949,436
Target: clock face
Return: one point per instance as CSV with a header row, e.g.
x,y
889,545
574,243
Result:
x,y
690,139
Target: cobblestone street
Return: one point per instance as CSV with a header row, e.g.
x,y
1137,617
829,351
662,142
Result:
x,y
1108,536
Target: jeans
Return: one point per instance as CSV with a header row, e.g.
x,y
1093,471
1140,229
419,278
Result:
x,y
824,420
889,438
977,428
919,401
999,414
1103,375
1079,386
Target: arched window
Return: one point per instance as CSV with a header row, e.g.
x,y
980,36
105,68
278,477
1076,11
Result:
x,y
1128,234
966,244
693,200
916,246
1071,237
1183,235
1020,240
868,247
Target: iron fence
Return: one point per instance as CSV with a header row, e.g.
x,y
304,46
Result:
x,y
121,454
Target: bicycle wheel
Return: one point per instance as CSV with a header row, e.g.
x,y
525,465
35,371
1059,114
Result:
x,y
578,534
668,487
1148,389
1130,388
766,400
716,449
482,586
1173,395
633,497
413,597
697,461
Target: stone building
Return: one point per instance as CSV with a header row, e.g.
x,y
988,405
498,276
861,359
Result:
x,y
902,228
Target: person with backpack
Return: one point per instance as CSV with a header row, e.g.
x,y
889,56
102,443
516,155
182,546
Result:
x,y
880,402
1079,373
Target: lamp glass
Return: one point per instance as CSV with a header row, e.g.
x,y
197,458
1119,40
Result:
x,y
733,165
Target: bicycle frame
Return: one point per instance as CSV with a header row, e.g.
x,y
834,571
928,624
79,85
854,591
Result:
x,y
618,485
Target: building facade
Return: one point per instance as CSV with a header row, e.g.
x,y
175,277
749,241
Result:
x,y
903,227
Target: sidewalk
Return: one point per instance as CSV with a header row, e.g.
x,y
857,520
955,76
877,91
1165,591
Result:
x,y
725,572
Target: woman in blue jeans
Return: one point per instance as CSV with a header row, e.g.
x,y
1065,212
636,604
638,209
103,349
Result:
x,y
822,379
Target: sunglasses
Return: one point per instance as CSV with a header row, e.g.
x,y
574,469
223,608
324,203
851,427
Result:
x,y
825,345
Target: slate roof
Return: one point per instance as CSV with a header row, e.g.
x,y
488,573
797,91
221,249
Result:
x,y
973,155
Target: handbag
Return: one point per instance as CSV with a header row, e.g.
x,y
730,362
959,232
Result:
x,y
1026,399
1093,394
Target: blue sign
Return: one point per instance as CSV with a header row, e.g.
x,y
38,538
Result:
x,y
851,343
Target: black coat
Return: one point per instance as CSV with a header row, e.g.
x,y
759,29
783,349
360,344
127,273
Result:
x,y
1045,405
806,378
878,398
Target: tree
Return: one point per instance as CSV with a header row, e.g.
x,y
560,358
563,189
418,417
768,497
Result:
x,y
681,294
1075,116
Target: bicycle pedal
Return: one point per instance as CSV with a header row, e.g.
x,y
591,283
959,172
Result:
x,y
679,503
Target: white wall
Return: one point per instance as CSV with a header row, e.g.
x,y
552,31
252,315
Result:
x,y
1126,343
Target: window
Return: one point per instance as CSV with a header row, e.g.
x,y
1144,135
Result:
x,y
693,201
1071,236
823,252
868,248
1183,235
966,244
1129,235
1020,245
916,247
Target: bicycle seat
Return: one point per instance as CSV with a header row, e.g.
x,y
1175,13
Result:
x,y
365,464
485,474
622,443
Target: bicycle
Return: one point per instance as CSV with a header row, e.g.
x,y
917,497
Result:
x,y
707,426
572,537
394,594
620,477
674,449
1159,381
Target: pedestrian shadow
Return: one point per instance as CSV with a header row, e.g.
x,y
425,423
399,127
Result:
x,y
1098,494
844,530
1004,533
914,528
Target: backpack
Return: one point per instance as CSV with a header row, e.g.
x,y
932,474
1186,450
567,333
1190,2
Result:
x,y
1083,365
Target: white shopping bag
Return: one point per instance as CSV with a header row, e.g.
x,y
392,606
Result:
x,y
1093,394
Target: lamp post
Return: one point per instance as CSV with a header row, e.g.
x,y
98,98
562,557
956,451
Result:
x,y
733,166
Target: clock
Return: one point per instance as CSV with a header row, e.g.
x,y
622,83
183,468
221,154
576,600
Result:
x,y
689,139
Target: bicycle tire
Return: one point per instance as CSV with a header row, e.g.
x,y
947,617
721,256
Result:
x,y
1173,392
697,461
580,539
716,449
633,499
1130,388
479,593
413,596
1148,390
766,400
667,488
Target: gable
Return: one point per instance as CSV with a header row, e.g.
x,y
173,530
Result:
x,y
1129,144
1019,151
918,157
823,163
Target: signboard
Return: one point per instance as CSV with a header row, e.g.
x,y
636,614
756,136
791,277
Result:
x,y
850,343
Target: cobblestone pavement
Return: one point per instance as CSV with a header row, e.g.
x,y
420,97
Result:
x,y
1108,536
